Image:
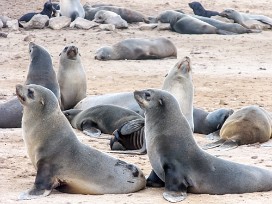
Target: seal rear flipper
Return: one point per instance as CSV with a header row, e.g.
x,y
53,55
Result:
x,y
214,135
228,145
175,184
214,144
224,32
253,31
132,126
154,181
44,182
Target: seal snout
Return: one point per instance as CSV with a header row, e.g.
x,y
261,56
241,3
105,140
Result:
x,y
72,51
19,93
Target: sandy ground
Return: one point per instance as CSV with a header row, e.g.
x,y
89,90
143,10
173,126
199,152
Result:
x,y
235,70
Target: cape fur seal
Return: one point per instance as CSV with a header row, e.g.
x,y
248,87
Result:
x,y
179,83
138,49
206,123
186,24
201,11
181,165
61,160
245,19
248,125
128,15
71,9
40,72
71,77
104,119
47,10
109,17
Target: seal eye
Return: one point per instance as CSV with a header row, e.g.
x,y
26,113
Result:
x,y
66,114
147,96
30,93
65,49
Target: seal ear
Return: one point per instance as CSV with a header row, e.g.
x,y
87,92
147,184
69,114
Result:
x,y
161,102
42,101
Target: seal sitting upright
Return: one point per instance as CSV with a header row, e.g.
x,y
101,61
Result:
x,y
138,49
201,11
61,160
180,164
71,77
71,9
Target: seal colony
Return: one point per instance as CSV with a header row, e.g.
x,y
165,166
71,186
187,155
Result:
x,y
181,166
53,149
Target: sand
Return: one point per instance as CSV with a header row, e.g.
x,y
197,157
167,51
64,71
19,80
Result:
x,y
228,71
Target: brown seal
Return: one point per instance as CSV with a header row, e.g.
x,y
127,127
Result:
x,y
61,160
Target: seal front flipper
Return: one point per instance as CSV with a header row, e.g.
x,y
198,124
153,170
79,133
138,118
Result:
x,y
44,182
228,145
214,144
175,184
132,126
154,181
214,135
92,131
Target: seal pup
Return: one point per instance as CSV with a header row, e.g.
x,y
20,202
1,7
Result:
x,y
206,123
104,119
181,165
128,15
109,17
138,49
71,77
179,83
201,11
245,19
61,160
71,9
186,24
47,10
248,125
40,72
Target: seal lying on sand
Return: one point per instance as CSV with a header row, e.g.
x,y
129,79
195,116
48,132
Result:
x,y
245,19
248,125
138,49
61,160
128,15
206,123
180,164
109,17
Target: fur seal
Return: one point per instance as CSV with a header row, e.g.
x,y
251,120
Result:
x,y
123,99
47,10
206,123
245,19
186,24
231,27
181,165
71,9
71,77
201,11
248,125
109,17
128,15
40,72
104,119
138,49
61,160
179,83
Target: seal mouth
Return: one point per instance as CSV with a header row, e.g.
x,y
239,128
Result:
x,y
72,52
223,14
19,94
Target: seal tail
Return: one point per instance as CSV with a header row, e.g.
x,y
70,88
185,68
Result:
x,y
224,32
